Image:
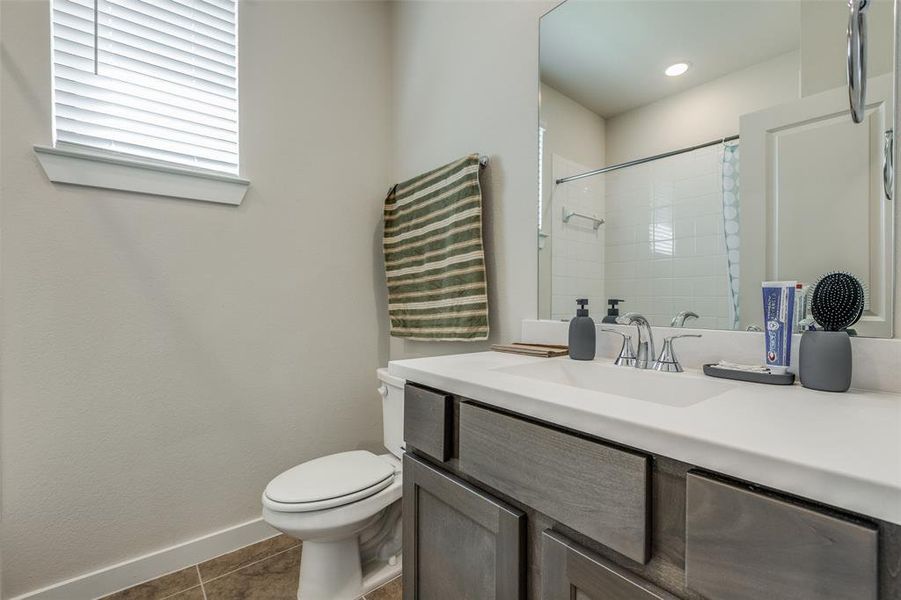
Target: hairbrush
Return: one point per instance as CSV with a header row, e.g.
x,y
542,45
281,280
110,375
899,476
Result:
x,y
837,301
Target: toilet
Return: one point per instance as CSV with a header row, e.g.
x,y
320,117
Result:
x,y
345,507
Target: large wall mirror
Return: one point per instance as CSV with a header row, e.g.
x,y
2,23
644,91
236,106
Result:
x,y
692,149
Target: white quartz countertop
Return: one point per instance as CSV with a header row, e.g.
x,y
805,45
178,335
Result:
x,y
838,449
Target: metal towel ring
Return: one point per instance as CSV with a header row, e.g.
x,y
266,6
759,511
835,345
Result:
x,y
857,58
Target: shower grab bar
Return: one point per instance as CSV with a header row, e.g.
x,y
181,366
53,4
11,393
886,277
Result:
x,y
857,58
641,161
569,214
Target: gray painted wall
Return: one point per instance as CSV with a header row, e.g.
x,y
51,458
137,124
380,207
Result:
x,y
163,359
466,80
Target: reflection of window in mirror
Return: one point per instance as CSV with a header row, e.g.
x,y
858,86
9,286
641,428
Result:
x,y
742,165
540,178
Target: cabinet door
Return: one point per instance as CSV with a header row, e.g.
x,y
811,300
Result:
x,y
569,571
459,543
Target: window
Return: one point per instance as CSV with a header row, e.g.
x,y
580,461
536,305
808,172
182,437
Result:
x,y
150,83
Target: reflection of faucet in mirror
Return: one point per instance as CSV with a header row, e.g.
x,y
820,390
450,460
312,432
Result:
x,y
679,320
644,355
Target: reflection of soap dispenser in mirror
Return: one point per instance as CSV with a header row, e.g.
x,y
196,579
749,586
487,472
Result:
x,y
836,303
582,333
612,311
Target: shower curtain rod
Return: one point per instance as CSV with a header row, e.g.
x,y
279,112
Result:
x,y
641,161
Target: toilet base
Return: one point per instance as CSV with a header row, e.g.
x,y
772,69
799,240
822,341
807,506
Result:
x,y
331,571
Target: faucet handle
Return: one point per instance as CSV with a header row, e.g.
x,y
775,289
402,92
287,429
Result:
x,y
626,356
616,331
667,361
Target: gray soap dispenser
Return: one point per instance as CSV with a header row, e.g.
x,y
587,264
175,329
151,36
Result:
x,y
582,334
613,311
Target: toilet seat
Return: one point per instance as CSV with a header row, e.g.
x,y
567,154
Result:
x,y
329,482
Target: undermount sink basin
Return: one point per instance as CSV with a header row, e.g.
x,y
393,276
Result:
x,y
671,389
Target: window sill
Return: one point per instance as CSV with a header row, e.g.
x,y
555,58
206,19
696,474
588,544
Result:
x,y
84,167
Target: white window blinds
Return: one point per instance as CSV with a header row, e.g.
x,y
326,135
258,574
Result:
x,y
540,177
155,79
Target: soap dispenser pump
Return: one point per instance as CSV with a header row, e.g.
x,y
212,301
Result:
x,y
613,311
582,334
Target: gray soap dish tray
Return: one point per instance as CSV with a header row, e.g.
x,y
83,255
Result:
x,y
712,370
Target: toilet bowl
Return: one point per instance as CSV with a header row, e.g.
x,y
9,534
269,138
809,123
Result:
x,y
345,507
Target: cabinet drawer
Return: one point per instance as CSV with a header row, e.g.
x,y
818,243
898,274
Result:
x,y
428,421
595,489
570,571
744,545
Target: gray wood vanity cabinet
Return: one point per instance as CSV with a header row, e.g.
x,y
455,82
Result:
x,y
503,507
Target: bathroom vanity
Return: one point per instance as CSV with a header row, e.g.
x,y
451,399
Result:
x,y
687,155
557,479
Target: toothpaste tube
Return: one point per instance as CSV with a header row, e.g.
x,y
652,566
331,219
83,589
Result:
x,y
778,317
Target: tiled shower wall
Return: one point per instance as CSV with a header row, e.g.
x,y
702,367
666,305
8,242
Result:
x,y
577,249
664,245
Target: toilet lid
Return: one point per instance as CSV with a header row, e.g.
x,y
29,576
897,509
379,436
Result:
x,y
331,477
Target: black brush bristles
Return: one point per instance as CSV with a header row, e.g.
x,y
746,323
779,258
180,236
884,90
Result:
x,y
837,301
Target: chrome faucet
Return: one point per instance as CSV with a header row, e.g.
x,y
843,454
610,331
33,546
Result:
x,y
644,355
679,320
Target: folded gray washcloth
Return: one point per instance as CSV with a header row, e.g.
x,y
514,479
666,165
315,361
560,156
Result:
x,y
724,364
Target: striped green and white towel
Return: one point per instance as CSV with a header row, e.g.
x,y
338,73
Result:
x,y
434,260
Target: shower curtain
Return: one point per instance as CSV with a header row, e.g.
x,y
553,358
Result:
x,y
731,225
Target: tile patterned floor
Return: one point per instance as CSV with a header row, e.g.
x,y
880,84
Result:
x,y
264,571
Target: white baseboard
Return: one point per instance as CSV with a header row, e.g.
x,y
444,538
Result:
x,y
156,564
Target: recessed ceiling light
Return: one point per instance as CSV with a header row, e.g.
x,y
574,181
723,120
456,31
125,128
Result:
x,y
676,69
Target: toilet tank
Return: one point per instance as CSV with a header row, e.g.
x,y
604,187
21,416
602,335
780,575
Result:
x,y
391,389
